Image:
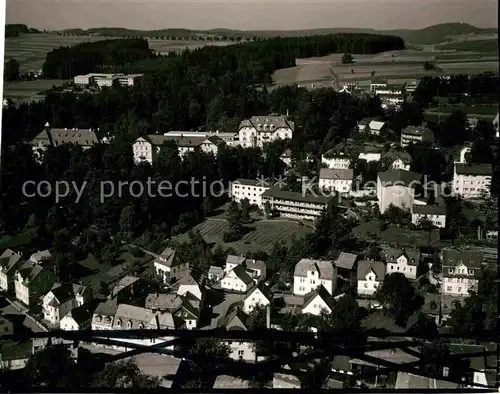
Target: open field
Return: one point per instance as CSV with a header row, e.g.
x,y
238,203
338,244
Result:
x,y
261,237
30,50
393,65
27,91
490,110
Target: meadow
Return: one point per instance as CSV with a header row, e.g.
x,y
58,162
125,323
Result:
x,y
262,235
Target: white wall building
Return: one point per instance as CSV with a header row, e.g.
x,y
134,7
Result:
x,y
402,261
257,296
459,270
336,159
310,274
472,181
237,280
259,130
397,160
169,268
397,188
370,276
303,205
10,261
107,80
231,139
250,189
435,213
373,127
339,180
415,134
317,301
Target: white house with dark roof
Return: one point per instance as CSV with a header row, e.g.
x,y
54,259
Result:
x,y
436,214
459,270
236,320
78,318
397,188
337,158
40,256
251,189
55,137
168,267
310,274
237,279
10,262
339,180
370,276
369,153
401,261
257,295
187,284
415,134
256,269
31,282
397,160
215,273
61,299
317,301
472,181
259,130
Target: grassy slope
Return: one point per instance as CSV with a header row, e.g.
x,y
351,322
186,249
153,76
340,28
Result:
x,y
485,46
429,35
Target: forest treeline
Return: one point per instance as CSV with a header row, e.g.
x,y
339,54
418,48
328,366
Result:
x,y
16,29
66,62
262,57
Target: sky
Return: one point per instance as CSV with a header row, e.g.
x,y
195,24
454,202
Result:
x,y
250,14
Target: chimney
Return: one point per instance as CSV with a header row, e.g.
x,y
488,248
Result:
x,y
268,316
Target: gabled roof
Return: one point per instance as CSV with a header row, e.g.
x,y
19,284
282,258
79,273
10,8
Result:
x,y
161,321
454,257
366,266
135,315
10,260
170,301
399,178
63,293
324,267
346,260
41,255
30,272
266,292
439,209
236,319
337,173
393,155
123,284
166,258
319,292
417,131
392,254
241,273
232,259
81,314
272,122
62,136
376,125
187,280
214,270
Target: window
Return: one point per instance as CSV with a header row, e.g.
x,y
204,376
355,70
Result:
x,y
450,271
241,352
449,288
366,286
459,289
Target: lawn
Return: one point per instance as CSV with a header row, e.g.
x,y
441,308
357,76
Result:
x,y
29,90
17,240
261,237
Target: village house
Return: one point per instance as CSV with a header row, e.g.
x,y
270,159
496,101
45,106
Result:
x,y
250,189
296,205
215,273
397,160
185,308
403,261
436,214
168,267
286,381
61,299
78,318
236,320
256,269
258,130
187,284
40,256
310,274
373,127
131,290
337,158
459,270
472,181
345,265
369,153
415,134
339,180
237,279
439,306
370,276
229,138
10,262
258,295
317,301
397,188
31,282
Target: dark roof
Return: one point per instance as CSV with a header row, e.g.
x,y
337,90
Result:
x,y
392,254
272,121
63,293
277,193
10,260
323,293
393,155
365,266
241,273
474,169
166,258
184,141
248,182
62,136
418,209
417,130
337,173
82,313
346,260
266,291
454,257
399,178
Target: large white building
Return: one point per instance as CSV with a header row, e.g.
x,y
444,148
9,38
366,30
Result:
x,y
459,271
250,189
436,214
310,274
148,147
339,180
231,139
259,130
295,205
415,134
370,276
102,80
472,181
396,187
336,158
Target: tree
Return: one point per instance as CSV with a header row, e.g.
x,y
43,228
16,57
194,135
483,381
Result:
x,y
245,210
125,375
11,70
345,316
372,73
396,215
347,58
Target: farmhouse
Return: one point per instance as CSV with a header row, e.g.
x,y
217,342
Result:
x,y
250,189
339,180
310,274
258,130
396,188
459,269
295,205
414,134
472,181
370,276
148,147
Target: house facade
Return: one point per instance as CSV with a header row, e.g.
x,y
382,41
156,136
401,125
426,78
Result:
x,y
305,205
397,160
370,276
237,279
317,301
436,214
257,296
259,130
415,134
397,188
310,274
187,284
340,180
230,139
402,261
336,158
472,181
62,299
168,267
459,270
31,282
78,318
250,189
10,262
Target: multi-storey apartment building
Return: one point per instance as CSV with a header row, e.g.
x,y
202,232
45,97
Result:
x,y
102,80
295,205
415,134
148,147
250,189
472,181
396,188
339,180
459,270
231,139
259,130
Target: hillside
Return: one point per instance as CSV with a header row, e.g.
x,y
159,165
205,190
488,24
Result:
x,y
430,35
